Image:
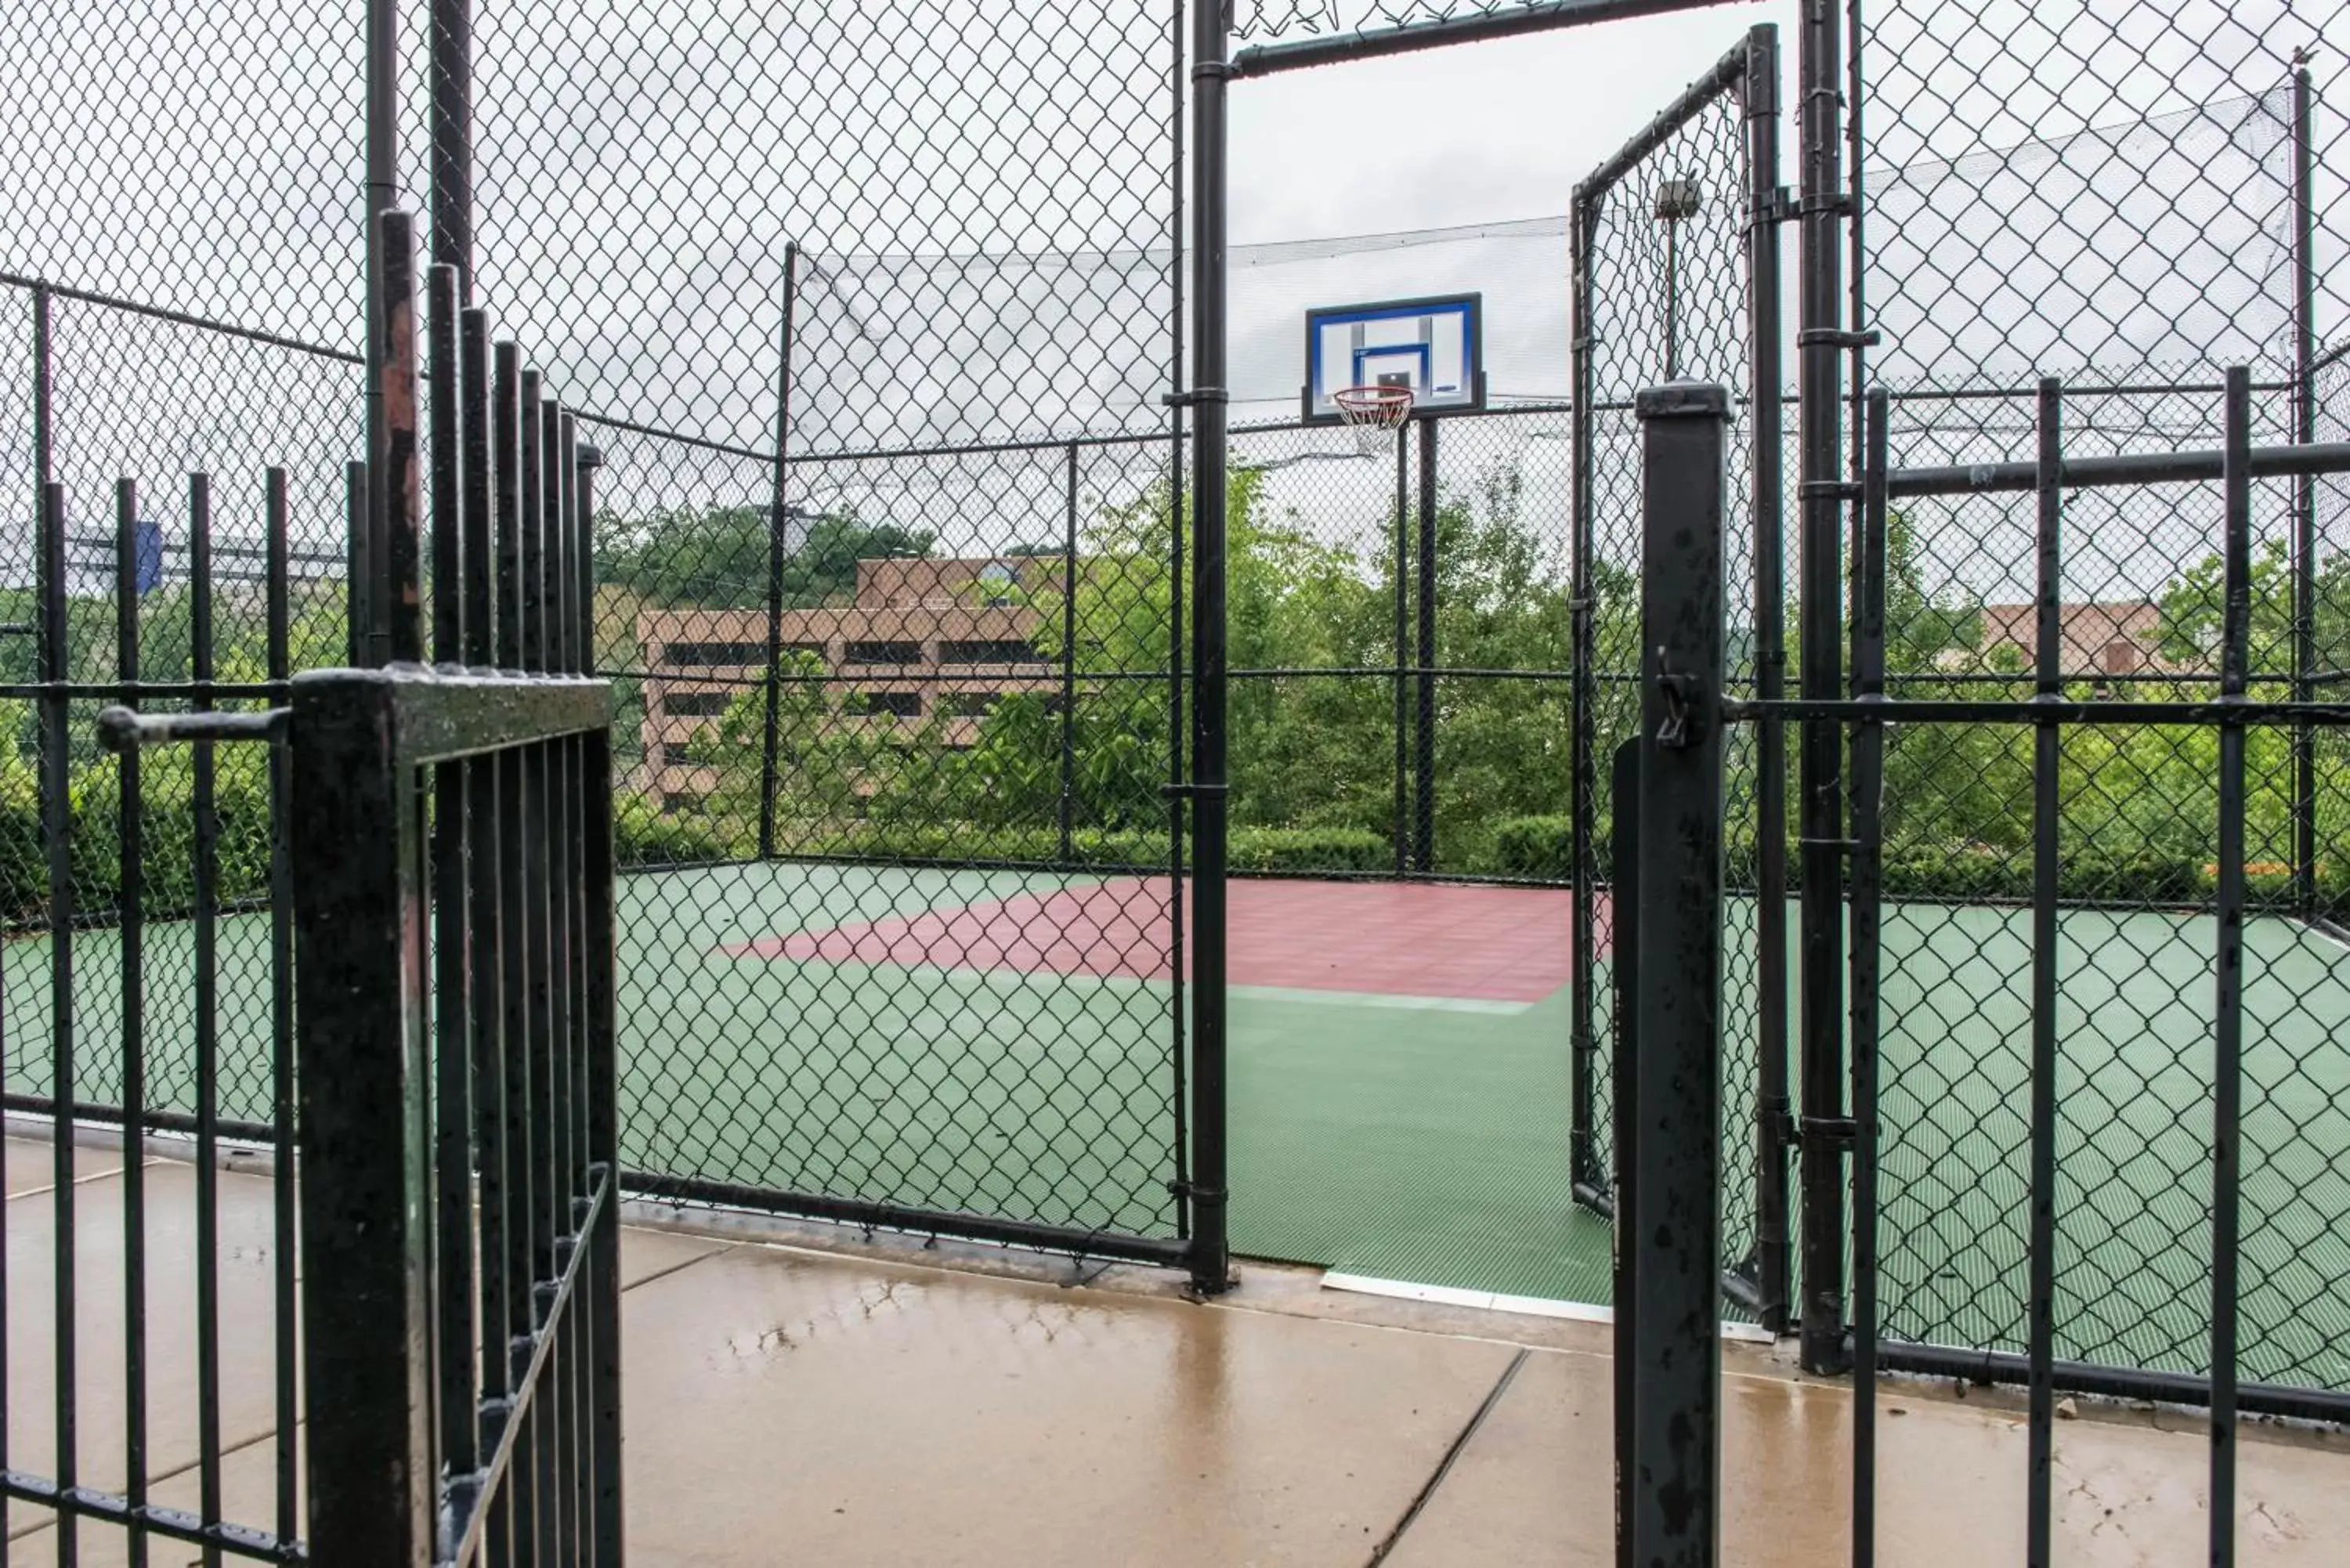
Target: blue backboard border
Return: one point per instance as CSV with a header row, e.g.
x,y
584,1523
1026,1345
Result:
x,y
1473,346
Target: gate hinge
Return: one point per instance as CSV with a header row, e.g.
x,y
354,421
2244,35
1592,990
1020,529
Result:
x,y
1840,845
1776,206
1837,337
1836,1132
1195,397
1828,490
1838,202
1196,1193
1194,791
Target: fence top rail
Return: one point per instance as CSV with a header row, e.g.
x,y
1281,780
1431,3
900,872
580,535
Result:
x,y
1725,79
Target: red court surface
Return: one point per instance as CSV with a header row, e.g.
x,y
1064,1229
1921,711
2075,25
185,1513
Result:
x,y
1496,944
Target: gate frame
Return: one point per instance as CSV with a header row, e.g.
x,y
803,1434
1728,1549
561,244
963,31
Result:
x,y
1749,73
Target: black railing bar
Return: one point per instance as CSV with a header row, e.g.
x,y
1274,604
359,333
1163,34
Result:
x,y
1111,437
2115,389
866,1215
2039,710
121,729
2184,1388
1267,59
134,691
463,1507
174,1524
103,918
2135,468
176,318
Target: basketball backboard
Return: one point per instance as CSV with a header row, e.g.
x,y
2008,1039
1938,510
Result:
x,y
1433,346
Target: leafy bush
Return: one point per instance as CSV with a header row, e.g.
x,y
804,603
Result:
x,y
642,837
1536,846
1309,849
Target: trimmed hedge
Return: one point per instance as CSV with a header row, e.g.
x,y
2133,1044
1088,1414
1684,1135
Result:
x,y
1536,847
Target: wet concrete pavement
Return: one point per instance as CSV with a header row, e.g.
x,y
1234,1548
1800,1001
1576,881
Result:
x,y
795,1407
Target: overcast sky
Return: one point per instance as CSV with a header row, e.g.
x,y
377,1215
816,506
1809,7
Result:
x,y
1477,133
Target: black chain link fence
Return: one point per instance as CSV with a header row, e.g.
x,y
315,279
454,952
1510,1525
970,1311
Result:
x,y
2130,199
870,309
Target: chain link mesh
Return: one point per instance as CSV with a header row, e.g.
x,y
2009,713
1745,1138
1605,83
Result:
x,y
2131,198
1666,288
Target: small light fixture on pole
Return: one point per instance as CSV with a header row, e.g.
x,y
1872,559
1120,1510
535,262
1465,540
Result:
x,y
1677,201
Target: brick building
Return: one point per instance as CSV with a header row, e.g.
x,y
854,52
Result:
x,y
924,639
2100,639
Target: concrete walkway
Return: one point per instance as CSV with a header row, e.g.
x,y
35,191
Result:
x,y
851,1407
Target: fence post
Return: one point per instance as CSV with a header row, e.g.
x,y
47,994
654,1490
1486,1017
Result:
x,y
452,55
1069,666
1583,1043
359,951
1402,833
1760,94
1424,652
1210,1252
1822,344
2304,495
1624,876
778,526
1673,1251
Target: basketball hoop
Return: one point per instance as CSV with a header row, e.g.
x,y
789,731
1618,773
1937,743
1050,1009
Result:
x,y
1376,412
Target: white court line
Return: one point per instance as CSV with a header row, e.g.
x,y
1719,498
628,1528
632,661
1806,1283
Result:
x,y
1496,1301
1380,999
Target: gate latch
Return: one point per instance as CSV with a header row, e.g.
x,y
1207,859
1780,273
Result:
x,y
1680,692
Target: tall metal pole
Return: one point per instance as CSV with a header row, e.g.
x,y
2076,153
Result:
x,y
452,143
1424,649
380,194
1759,93
1210,75
2304,494
1582,1040
1402,606
1068,737
779,525
1822,342
1673,1471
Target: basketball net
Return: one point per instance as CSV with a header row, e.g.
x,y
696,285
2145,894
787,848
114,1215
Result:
x,y
1376,413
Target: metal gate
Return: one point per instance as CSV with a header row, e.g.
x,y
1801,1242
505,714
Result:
x,y
451,837
1680,916
448,855
1675,242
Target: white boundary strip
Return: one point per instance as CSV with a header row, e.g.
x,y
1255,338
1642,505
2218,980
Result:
x,y
1494,1301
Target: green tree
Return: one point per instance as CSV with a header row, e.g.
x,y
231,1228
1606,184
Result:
x,y
716,556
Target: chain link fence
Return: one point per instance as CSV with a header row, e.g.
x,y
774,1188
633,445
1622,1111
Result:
x,y
870,312
2131,203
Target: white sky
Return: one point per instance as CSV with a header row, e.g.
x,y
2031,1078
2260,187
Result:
x,y
1471,134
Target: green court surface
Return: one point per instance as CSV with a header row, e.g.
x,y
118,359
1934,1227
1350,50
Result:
x,y
1413,1136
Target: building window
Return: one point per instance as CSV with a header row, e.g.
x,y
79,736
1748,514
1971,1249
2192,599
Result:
x,y
672,802
705,655
896,704
883,652
988,651
968,705
696,704
676,754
